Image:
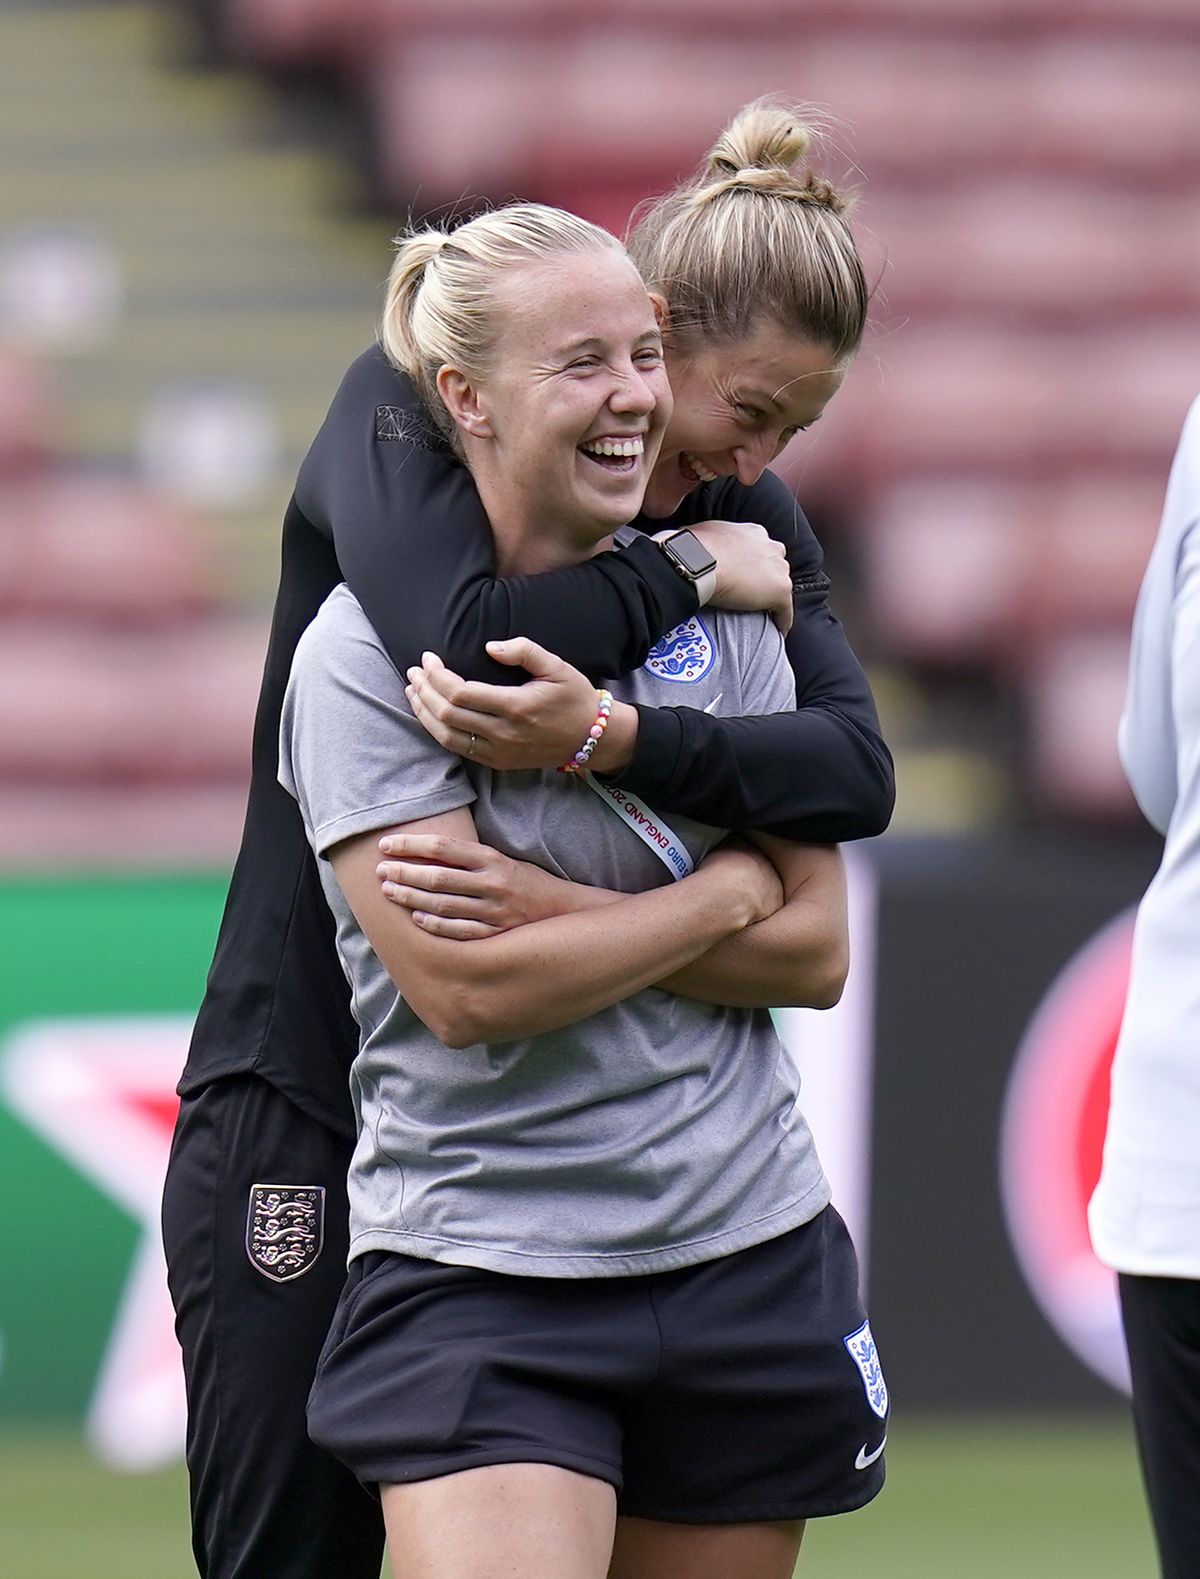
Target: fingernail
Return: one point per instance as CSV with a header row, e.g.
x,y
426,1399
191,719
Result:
x,y
390,889
386,845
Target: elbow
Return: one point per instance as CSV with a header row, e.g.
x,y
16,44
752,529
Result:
x,y
864,812
831,978
881,819
457,993
456,1025
880,802
468,1016
826,992
446,1008
874,800
824,978
454,1032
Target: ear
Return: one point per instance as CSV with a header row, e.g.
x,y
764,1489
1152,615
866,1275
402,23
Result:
x,y
662,313
461,399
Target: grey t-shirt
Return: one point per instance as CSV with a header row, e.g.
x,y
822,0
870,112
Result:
x,y
657,1133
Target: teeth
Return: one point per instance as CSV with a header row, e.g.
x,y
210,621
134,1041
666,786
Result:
x,y
701,470
624,447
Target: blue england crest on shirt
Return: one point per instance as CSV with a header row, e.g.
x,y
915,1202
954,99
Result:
x,y
684,655
860,1346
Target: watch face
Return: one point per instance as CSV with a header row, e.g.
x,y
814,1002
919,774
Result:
x,y
691,554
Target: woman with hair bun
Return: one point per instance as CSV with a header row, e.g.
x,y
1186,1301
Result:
x,y
383,502
600,1318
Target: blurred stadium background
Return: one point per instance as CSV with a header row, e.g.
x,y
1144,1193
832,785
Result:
x,y
195,204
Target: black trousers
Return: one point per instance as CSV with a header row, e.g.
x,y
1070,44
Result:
x,y
1162,1329
265,1503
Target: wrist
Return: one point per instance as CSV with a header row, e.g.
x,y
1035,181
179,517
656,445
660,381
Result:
x,y
581,762
729,908
614,751
737,878
692,560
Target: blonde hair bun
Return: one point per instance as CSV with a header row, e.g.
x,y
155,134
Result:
x,y
764,149
755,234
765,135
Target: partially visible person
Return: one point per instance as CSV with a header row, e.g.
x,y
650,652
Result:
x,y
382,502
1145,1213
600,1317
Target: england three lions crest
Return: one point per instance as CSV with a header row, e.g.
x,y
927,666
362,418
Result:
x,y
860,1346
684,655
285,1229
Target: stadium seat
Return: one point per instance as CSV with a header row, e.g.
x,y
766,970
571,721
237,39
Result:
x,y
79,706
1008,18
26,414
966,569
294,29
530,112
169,828
967,398
98,550
1053,255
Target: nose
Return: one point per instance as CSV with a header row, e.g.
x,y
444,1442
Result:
x,y
752,457
633,393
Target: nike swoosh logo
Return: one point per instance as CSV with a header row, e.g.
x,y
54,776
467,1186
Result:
x,y
713,703
865,1459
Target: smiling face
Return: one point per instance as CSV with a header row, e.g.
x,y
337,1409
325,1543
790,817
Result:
x,y
737,404
563,430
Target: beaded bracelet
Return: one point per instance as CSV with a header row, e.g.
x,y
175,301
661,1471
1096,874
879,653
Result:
x,y
579,762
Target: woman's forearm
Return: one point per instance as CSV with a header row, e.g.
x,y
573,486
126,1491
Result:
x,y
550,973
796,958
793,959
821,773
554,973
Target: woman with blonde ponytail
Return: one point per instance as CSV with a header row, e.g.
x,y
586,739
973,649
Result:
x,y
601,1320
383,502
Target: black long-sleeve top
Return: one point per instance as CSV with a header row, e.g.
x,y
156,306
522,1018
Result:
x,y
381,503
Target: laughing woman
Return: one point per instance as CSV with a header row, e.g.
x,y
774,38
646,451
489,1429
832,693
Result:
x,y
766,305
600,1317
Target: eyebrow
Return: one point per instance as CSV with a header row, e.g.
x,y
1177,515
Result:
x,y
769,400
595,343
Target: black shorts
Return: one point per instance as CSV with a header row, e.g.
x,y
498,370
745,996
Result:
x,y
742,1389
266,1504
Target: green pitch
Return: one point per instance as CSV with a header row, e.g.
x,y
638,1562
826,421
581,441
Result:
x,y
971,1499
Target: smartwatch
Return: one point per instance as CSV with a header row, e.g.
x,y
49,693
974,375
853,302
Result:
x,y
692,560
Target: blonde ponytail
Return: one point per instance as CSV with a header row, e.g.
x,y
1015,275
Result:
x,y
440,308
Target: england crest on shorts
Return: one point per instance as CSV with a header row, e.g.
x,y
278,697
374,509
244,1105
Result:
x,y
684,655
860,1346
285,1229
